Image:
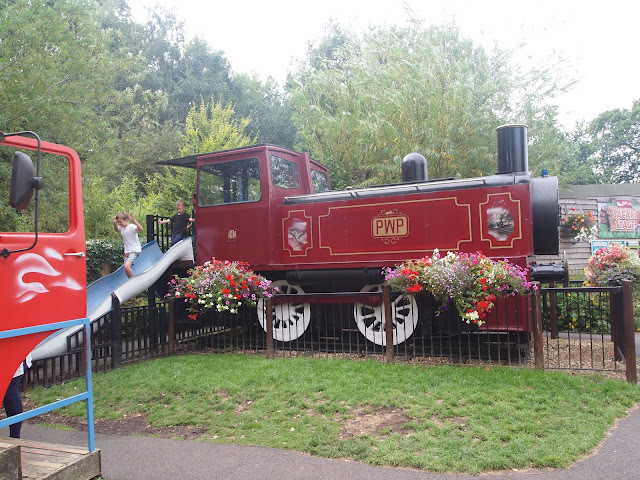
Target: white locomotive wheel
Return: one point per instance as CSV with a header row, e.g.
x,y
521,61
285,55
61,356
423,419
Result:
x,y
291,319
370,319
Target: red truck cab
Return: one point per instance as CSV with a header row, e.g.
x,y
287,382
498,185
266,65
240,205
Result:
x,y
42,262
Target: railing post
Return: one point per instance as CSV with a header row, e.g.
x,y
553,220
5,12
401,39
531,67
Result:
x,y
151,231
116,332
171,328
629,331
388,322
617,324
536,312
268,315
553,314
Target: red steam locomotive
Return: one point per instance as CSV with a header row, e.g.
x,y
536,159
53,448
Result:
x,y
273,208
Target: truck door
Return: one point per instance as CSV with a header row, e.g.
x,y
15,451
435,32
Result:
x,y
42,249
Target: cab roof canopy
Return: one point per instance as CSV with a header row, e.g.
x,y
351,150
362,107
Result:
x,y
192,160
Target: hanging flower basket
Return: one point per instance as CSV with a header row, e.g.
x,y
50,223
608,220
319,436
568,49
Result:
x,y
580,226
471,282
220,285
611,265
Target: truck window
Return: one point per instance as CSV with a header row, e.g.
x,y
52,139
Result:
x,y
53,216
284,173
319,180
229,182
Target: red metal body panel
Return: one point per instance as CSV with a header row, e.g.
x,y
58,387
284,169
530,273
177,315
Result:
x,y
387,230
373,227
42,285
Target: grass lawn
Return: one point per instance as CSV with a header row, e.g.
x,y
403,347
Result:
x,y
442,419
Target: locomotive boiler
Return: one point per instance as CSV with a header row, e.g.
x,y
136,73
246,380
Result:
x,y
273,208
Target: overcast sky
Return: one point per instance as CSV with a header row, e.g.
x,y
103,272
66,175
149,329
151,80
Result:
x,y
598,39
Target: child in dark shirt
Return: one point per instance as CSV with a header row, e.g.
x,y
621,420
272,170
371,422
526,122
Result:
x,y
179,222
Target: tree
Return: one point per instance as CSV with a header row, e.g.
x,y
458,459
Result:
x,y
56,71
615,145
269,110
365,103
57,75
209,127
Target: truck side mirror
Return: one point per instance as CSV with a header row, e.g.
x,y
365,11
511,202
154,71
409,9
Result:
x,y
23,181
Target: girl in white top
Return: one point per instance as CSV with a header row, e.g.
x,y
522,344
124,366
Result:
x,y
129,232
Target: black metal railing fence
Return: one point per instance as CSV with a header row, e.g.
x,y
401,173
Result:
x,y
576,329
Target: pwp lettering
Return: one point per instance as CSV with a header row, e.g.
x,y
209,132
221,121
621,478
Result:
x,y
390,226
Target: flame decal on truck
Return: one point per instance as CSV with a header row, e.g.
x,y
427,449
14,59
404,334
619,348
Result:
x,y
34,265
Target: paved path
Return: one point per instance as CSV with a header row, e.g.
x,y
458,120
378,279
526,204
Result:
x,y
147,458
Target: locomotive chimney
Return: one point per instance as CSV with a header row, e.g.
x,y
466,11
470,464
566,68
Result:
x,y
414,168
513,154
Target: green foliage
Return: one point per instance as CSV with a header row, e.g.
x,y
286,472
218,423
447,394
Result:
x,y
103,202
101,252
57,74
615,145
363,103
585,312
212,127
268,109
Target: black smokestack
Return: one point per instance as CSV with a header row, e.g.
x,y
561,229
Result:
x,y
513,154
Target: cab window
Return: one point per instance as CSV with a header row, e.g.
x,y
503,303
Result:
x,y
229,182
284,173
53,215
319,180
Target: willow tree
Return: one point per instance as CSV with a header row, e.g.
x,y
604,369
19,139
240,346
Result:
x,y
363,102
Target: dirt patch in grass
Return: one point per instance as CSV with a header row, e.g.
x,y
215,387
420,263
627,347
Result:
x,y
376,421
128,426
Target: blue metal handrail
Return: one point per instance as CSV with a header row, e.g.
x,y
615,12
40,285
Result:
x,y
86,395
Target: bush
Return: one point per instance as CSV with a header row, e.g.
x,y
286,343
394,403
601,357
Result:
x,y
610,266
100,251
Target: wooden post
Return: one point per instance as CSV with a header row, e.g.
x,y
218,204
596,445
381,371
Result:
x,y
538,345
171,327
116,333
617,324
629,331
268,315
388,322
